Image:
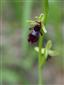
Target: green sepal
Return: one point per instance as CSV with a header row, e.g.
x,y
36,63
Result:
x,y
32,22
41,17
49,44
43,29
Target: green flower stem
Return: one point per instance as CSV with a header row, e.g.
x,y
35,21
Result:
x,y
40,55
40,43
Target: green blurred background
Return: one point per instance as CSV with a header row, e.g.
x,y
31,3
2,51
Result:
x,y
18,60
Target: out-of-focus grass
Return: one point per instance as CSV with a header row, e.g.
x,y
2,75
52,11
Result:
x,y
26,14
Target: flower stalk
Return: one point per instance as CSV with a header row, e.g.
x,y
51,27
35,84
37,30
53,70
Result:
x,y
40,45
39,62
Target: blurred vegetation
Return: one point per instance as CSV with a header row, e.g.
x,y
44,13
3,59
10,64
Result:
x,y
18,60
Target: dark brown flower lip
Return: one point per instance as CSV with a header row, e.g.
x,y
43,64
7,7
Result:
x,y
32,38
34,34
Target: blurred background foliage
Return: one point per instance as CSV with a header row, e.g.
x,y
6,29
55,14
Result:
x,y
18,60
